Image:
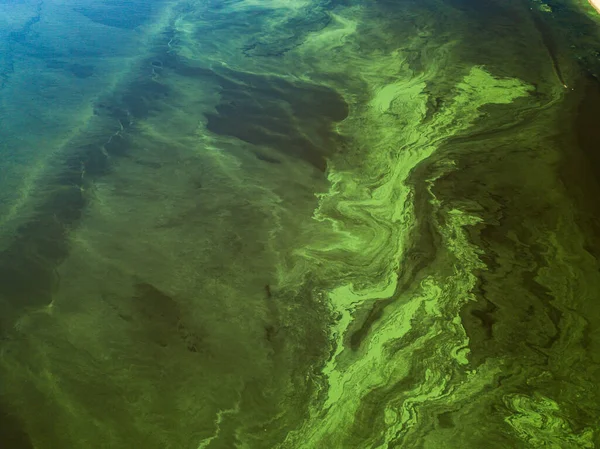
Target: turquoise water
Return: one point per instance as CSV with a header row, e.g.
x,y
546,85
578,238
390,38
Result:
x,y
58,60
299,224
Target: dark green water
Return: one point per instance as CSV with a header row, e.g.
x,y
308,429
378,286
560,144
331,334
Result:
x,y
299,224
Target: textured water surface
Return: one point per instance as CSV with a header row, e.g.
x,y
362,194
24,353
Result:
x,y
299,224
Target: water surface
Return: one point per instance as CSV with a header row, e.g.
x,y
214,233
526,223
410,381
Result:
x,y
299,224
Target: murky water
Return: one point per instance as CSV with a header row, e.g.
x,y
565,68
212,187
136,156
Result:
x,y
299,224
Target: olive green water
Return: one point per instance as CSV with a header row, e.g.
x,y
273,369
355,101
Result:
x,y
314,224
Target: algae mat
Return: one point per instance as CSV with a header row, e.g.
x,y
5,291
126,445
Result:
x,y
304,224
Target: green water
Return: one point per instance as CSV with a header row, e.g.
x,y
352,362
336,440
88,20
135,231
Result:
x,y
299,224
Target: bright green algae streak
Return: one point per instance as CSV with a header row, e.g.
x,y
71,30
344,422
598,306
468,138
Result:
x,y
310,224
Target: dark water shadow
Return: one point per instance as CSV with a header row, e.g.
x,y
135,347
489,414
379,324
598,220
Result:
x,y
293,118
580,169
12,435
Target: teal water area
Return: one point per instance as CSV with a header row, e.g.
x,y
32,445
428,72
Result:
x,y
57,60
